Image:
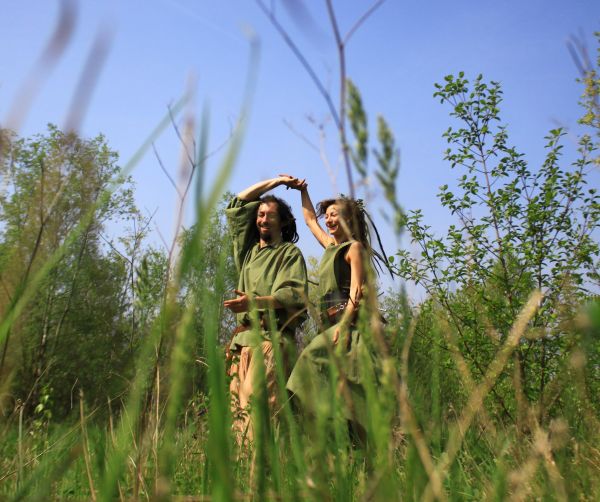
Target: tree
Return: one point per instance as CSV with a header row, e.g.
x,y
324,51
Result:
x,y
215,249
518,229
72,328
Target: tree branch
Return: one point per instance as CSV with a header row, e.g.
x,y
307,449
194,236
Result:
x,y
362,19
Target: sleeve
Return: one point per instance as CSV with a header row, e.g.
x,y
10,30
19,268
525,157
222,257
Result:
x,y
290,286
241,216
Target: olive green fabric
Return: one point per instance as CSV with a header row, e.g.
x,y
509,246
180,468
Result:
x,y
274,270
334,275
311,378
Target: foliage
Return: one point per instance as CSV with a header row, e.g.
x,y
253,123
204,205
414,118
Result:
x,y
215,238
149,288
386,153
72,333
591,96
518,229
199,282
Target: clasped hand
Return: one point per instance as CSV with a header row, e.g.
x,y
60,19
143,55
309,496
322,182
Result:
x,y
293,182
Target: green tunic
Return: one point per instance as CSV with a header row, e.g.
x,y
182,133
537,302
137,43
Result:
x,y
334,276
274,270
310,379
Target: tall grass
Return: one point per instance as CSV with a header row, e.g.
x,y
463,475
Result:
x,y
463,455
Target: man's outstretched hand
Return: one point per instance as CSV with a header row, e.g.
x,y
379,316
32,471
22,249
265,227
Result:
x,y
239,304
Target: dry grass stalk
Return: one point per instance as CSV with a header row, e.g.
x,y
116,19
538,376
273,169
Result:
x,y
544,450
410,422
465,373
476,398
156,432
47,61
86,448
520,479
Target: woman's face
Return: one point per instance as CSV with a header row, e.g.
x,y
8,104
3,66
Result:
x,y
333,222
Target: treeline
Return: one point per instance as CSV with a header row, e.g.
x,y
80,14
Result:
x,y
99,294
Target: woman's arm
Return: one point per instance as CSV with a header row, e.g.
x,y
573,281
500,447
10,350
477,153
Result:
x,y
310,218
354,257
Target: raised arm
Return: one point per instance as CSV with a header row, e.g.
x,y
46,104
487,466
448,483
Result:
x,y
308,210
310,217
255,191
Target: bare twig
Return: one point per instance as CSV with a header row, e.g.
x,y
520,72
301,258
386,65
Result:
x,y
184,143
290,126
164,170
324,158
161,237
112,246
338,112
342,106
303,61
361,20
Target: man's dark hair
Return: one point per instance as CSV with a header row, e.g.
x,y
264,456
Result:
x,y
288,222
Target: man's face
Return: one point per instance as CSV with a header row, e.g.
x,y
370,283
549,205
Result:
x,y
267,221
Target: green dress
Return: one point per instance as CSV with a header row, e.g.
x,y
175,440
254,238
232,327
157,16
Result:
x,y
311,379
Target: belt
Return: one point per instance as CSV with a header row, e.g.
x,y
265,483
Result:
x,y
333,314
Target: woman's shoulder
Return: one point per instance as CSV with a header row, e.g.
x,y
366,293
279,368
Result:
x,y
355,249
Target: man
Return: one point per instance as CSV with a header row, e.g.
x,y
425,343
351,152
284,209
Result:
x,y
272,280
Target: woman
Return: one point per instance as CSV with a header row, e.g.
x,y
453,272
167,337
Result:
x,y
342,278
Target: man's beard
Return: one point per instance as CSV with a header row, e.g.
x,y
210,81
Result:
x,y
265,235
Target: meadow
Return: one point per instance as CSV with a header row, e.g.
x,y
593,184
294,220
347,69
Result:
x,y
113,380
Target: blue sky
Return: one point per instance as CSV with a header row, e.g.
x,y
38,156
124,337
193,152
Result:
x,y
395,58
